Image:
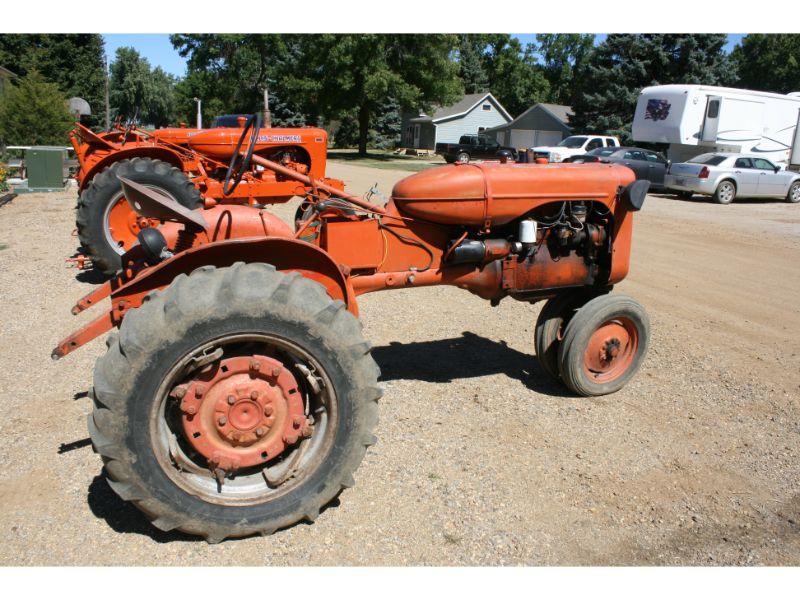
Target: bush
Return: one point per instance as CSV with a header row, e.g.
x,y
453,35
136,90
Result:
x,y
34,112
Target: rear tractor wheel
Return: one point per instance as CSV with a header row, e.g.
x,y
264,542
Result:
x,y
604,345
236,401
107,226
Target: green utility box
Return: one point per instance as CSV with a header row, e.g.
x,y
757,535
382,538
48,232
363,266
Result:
x,y
45,168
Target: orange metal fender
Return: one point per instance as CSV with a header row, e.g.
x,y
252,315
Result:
x,y
146,151
283,253
128,289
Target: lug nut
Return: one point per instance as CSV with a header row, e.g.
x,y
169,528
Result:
x,y
297,422
268,411
231,400
260,431
199,390
254,395
276,371
255,365
190,409
179,392
222,420
307,431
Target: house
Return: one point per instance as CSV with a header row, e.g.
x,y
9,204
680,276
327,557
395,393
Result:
x,y
473,113
540,125
5,77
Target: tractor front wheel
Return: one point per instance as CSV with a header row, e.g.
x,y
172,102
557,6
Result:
x,y
107,226
550,325
604,345
236,401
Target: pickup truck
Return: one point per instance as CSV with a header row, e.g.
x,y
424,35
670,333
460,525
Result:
x,y
470,147
575,145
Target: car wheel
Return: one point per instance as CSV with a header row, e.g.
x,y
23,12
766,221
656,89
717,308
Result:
x,y
794,193
462,157
725,193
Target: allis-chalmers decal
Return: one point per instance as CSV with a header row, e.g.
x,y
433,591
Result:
x,y
279,138
657,110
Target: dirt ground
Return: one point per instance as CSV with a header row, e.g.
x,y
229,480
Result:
x,y
481,459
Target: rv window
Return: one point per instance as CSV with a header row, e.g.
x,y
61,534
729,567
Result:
x,y
708,159
713,109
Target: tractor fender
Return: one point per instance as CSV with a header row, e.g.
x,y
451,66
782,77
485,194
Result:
x,y
285,254
157,152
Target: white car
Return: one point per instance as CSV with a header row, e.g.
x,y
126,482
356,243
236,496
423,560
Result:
x,y
726,176
575,145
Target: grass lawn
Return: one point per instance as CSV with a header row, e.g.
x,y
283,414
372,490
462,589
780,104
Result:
x,y
380,159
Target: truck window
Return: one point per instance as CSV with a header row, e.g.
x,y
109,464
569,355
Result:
x,y
467,140
611,142
594,144
573,141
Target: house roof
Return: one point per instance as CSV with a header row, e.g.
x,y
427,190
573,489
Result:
x,y
7,72
557,111
462,107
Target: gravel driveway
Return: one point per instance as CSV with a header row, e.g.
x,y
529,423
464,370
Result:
x,y
480,459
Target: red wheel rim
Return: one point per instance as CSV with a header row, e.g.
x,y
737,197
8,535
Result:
x,y
123,225
611,350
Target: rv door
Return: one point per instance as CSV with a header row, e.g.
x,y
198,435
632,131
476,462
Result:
x,y
794,158
711,123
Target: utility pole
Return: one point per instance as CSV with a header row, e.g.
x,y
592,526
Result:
x,y
267,114
108,107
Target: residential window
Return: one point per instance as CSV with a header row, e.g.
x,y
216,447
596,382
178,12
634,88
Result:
x,y
487,107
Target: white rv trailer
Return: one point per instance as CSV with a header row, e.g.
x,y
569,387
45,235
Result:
x,y
694,119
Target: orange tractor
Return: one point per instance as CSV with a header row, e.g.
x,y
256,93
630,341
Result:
x,y
188,166
238,394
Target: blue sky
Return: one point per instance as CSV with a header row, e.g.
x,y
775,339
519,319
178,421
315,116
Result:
x,y
156,48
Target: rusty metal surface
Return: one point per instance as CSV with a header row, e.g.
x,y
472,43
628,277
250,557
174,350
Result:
x,y
242,411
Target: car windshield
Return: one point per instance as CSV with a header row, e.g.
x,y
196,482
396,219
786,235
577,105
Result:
x,y
573,141
603,151
708,159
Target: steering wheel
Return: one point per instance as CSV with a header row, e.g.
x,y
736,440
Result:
x,y
129,125
241,162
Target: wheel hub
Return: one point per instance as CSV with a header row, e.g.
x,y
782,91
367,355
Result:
x,y
242,411
611,349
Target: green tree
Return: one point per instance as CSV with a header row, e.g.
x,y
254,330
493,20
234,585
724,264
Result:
x,y
34,112
563,56
229,72
617,70
515,77
137,90
346,74
769,62
74,62
471,69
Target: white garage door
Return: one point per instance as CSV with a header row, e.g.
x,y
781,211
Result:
x,y
501,138
548,138
522,138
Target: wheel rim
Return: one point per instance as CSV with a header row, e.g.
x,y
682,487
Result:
x,y
795,193
726,192
298,425
463,158
611,350
121,224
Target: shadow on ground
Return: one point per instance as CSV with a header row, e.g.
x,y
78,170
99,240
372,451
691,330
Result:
x,y
471,355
